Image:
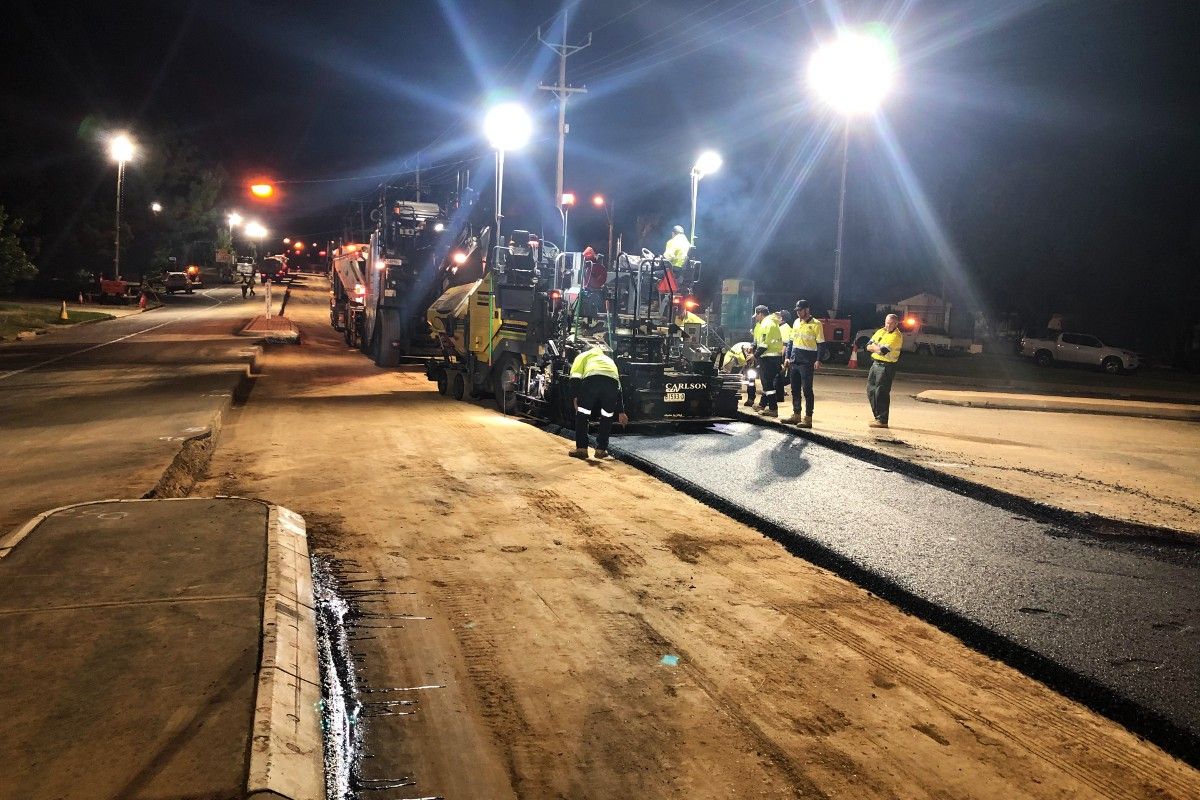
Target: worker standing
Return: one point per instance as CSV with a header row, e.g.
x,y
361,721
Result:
x,y
678,246
785,333
738,359
595,388
808,334
884,348
768,353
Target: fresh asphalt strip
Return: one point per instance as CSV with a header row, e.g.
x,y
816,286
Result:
x,y
1111,619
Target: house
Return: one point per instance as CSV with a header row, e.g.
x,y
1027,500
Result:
x,y
931,310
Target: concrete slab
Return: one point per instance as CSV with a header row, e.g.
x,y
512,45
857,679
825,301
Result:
x,y
159,648
280,330
1070,405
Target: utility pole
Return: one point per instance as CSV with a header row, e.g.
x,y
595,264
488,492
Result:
x,y
562,91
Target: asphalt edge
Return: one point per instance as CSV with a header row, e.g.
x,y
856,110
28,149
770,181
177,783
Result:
x,y
1012,405
286,747
1103,528
192,458
1172,738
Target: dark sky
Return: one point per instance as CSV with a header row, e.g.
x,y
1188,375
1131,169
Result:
x,y
1047,143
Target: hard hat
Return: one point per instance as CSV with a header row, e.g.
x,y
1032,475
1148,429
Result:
x,y
801,304
761,310
677,229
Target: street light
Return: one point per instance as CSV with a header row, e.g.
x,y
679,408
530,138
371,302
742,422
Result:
x,y
507,126
852,74
706,164
255,232
262,190
599,201
287,240
120,149
564,203
156,207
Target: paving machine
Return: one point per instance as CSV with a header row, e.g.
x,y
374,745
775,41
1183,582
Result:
x,y
514,333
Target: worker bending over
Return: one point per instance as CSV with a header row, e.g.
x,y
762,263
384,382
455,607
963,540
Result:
x,y
768,354
738,359
596,388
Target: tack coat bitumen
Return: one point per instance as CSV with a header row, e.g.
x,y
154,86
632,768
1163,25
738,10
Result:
x,y
1115,619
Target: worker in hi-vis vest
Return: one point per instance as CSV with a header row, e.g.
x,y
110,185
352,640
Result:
x,y
768,355
804,356
596,389
884,348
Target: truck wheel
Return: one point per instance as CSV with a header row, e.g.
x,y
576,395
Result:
x,y
347,329
443,383
504,384
924,350
458,386
1043,358
1112,365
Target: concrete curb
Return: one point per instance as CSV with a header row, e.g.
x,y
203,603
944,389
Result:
x,y
287,759
1062,405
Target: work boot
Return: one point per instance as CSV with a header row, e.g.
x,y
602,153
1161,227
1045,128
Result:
x,y
792,420
770,412
601,454
805,423
749,403
877,424
578,452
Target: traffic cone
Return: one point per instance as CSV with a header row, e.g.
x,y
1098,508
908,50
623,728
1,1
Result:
x,y
81,298
62,314
142,302
853,364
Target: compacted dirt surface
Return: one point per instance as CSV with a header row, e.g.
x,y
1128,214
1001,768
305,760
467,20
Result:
x,y
596,634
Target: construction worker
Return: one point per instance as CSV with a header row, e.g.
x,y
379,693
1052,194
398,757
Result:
x,y
739,359
595,388
804,356
685,317
768,355
677,247
884,348
785,333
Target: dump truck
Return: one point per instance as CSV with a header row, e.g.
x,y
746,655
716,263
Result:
x,y
513,334
400,280
348,291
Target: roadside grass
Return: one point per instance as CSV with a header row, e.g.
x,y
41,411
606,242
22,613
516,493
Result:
x,y
17,317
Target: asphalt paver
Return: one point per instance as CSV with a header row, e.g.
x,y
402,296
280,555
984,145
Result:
x,y
1117,614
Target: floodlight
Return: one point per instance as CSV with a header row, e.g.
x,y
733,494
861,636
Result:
x,y
508,126
854,72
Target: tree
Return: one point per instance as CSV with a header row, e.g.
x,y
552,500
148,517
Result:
x,y
15,265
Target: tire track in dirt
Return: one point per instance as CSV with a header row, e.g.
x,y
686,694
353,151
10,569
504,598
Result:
x,y
1105,748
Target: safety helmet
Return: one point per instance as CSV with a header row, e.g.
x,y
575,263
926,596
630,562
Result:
x,y
677,229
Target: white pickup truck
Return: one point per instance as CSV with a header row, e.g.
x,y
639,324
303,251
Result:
x,y
1079,348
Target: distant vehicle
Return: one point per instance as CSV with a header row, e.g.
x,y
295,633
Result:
x,y
193,276
244,265
177,282
927,341
274,268
1079,348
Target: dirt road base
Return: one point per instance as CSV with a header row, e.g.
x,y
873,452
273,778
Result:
x,y
599,634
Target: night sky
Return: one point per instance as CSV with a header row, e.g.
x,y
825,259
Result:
x,y
1035,156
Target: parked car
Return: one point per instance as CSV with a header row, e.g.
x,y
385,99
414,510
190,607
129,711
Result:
x,y
177,282
1079,348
